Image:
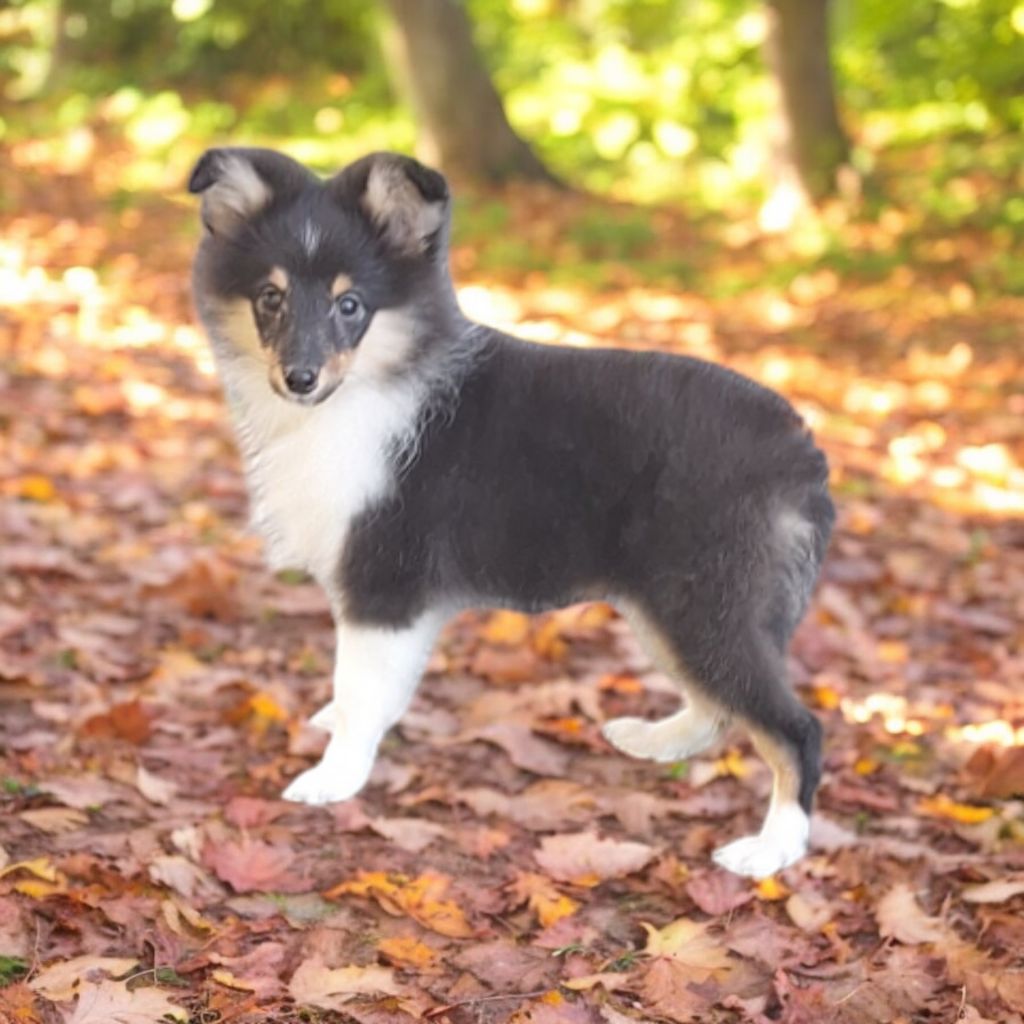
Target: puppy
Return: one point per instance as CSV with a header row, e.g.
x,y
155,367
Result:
x,y
416,463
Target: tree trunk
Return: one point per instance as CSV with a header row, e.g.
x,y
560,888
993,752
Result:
x,y
463,127
813,143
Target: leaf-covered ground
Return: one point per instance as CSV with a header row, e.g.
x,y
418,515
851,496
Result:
x,y
504,864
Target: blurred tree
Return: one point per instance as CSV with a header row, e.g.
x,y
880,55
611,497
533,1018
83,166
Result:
x,y
813,144
438,68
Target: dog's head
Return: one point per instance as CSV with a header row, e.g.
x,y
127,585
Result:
x,y
308,274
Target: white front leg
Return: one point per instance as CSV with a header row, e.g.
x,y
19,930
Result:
x,y
376,671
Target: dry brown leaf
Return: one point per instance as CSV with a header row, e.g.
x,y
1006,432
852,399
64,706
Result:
x,y
64,980
182,875
253,866
718,892
153,788
55,820
901,918
506,966
112,1002
809,910
997,891
412,834
689,943
18,1005
257,971
525,750
316,984
585,859
666,990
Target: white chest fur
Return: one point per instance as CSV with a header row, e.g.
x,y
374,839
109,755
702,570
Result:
x,y
311,470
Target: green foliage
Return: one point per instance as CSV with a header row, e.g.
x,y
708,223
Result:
x,y
642,99
12,968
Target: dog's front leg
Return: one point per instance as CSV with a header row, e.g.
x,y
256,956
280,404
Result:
x,y
375,674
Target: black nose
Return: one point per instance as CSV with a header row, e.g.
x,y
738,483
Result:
x,y
300,381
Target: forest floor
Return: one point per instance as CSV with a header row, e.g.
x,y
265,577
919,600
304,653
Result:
x,y
504,864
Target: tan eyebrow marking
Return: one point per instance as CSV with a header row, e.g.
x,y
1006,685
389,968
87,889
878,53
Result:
x,y
278,277
341,284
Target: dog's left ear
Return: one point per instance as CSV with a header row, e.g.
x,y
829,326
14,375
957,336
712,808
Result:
x,y
405,200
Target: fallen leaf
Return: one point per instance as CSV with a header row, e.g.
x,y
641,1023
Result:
x,y
412,834
506,664
253,866
542,897
940,806
809,911
182,875
129,721
505,966
997,891
316,984
901,918
552,1008
82,791
154,789
585,859
689,943
55,820
420,898
41,867
506,628
112,1002
525,750
407,951
257,971
718,892
18,1004
63,980
251,812
665,989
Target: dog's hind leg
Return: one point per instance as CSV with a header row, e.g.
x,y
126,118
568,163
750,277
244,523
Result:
x,y
674,738
375,675
791,744
678,736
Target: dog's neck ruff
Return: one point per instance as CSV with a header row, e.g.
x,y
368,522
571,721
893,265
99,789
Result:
x,y
312,470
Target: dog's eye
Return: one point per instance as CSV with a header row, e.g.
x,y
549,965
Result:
x,y
349,305
270,299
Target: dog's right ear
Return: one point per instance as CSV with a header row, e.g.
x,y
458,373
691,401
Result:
x,y
237,183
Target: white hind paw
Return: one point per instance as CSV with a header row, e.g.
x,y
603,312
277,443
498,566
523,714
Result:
x,y
668,739
630,735
761,855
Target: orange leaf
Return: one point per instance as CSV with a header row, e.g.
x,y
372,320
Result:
x,y
127,721
543,898
771,890
940,806
407,950
418,898
33,487
506,628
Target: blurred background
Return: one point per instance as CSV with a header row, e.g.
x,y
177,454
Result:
x,y
828,196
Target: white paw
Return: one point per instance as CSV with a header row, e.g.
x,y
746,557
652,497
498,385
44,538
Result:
x,y
640,738
761,855
328,783
325,718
